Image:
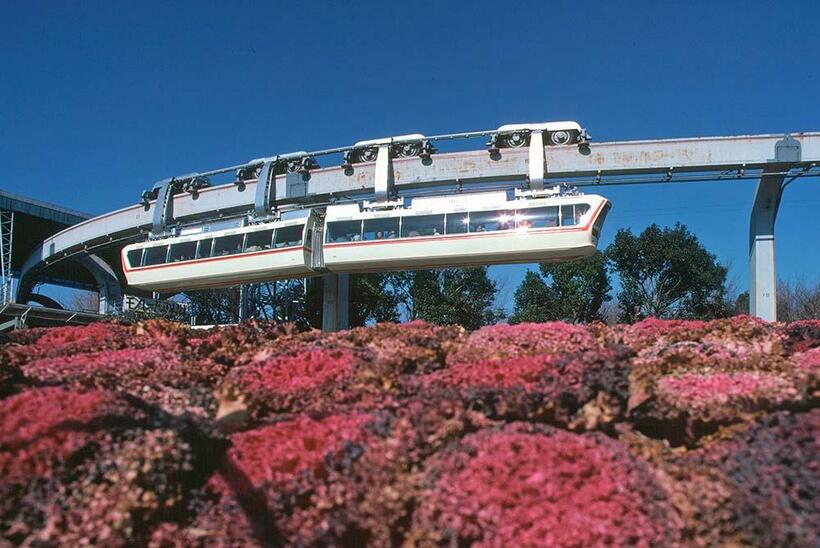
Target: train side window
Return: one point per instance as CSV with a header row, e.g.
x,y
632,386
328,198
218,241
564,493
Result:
x,y
422,225
538,217
568,216
457,223
489,221
228,245
135,257
381,229
289,236
344,231
155,255
259,241
183,251
309,236
203,250
580,211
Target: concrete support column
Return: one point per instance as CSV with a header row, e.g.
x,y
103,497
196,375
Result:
x,y
335,302
762,278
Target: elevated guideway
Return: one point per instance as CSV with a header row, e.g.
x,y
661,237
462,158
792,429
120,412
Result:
x,y
772,159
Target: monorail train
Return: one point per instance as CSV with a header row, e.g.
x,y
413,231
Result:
x,y
460,230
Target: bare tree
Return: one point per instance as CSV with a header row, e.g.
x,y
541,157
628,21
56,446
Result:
x,y
798,300
87,301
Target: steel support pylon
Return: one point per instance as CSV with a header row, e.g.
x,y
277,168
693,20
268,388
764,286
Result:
x,y
6,242
335,302
762,275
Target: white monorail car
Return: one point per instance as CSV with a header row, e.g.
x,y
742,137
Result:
x,y
222,258
463,230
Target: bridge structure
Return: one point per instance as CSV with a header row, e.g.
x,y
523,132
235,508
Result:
x,y
266,187
24,223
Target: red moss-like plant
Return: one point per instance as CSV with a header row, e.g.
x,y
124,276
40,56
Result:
x,y
42,428
549,388
656,332
272,456
519,487
806,371
514,341
105,369
802,335
409,348
128,488
773,471
724,348
709,397
288,383
70,340
402,435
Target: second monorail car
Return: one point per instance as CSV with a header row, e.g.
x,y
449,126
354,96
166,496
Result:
x,y
462,231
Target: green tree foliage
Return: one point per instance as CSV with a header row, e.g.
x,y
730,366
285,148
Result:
x,y
534,301
462,296
570,291
371,299
667,273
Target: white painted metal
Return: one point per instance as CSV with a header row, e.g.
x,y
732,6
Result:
x,y
762,275
491,247
654,160
388,140
226,270
544,126
713,154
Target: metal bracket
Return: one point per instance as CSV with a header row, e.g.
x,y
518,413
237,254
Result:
x,y
538,161
264,186
295,165
787,149
163,191
384,174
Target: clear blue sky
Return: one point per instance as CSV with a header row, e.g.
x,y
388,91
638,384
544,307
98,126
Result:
x,y
100,99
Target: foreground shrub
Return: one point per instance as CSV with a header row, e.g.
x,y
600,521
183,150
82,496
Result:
x,y
580,389
524,339
521,486
403,435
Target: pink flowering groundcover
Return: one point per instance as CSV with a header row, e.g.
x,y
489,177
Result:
x,y
661,433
